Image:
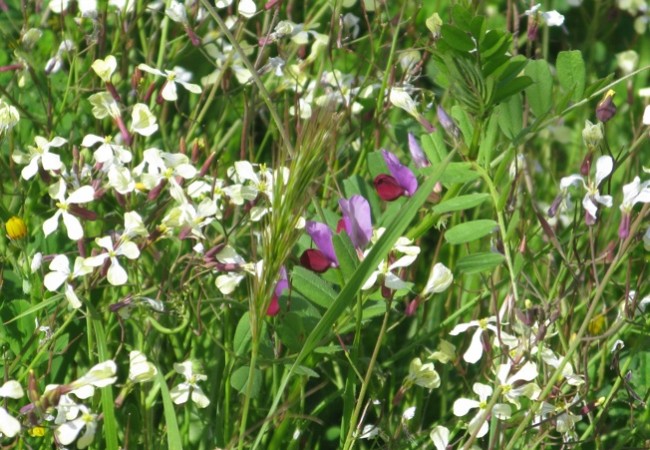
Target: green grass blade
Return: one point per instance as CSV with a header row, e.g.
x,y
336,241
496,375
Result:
x,y
108,405
173,435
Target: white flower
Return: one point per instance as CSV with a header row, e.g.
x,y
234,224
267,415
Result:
x,y
635,192
462,406
475,349
400,98
181,393
409,413
55,63
169,90
107,153
57,191
60,274
369,432
423,374
133,226
58,6
176,12
9,117
143,121
604,167
100,375
9,425
445,353
140,370
67,433
104,68
104,105
439,280
39,153
551,18
116,274
527,372
11,389
87,8
627,61
161,166
385,270
120,179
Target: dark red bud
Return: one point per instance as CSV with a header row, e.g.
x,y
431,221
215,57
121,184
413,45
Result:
x,y
315,260
274,307
387,187
585,167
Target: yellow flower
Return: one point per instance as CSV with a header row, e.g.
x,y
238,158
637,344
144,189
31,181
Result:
x,y
36,431
16,228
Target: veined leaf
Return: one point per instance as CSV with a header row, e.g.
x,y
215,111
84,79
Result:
x,y
469,231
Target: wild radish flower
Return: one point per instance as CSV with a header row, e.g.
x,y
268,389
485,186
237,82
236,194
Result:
x,y
161,166
116,274
60,274
592,134
107,153
604,167
68,432
169,90
100,375
120,179
400,182
440,278
55,63
181,393
550,18
446,352
321,259
385,270
357,221
104,105
463,406
57,191
475,349
39,154
633,193
400,98
512,385
104,68
140,370
423,375
9,117
143,121
133,227
246,8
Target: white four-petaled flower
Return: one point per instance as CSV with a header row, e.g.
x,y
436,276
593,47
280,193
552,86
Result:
x,y
182,392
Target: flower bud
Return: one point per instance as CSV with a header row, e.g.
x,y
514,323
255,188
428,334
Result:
x,y
592,134
440,279
16,228
606,109
387,187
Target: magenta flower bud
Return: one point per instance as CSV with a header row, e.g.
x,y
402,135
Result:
x,y
624,227
315,260
446,122
387,187
418,156
606,109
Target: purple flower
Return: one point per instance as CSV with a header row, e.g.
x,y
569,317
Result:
x,y
419,158
283,284
357,220
321,259
401,178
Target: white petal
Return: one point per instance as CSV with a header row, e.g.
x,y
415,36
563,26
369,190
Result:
x,y
57,142
482,390
193,88
571,180
169,91
646,115
475,349
440,437
589,206
84,194
146,68
9,425
502,411
179,394
128,249
91,139
11,389
528,372
51,224
87,438
473,424
71,296
199,397
54,280
463,405
67,433
246,8
105,242
462,327
51,161
72,224
604,167
60,263
116,274
30,169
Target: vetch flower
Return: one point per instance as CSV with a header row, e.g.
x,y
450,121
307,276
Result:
x,y
282,285
475,349
60,274
140,370
418,156
357,220
169,89
116,274
463,406
321,259
440,278
40,153
400,182
633,193
16,228
604,167
57,191
182,392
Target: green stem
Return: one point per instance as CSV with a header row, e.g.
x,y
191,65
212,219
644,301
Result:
x,y
349,440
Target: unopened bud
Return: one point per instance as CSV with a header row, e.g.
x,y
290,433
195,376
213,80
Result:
x,y
606,109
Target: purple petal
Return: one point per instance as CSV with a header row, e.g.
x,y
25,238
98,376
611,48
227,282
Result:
x,y
419,158
402,174
322,237
283,282
357,219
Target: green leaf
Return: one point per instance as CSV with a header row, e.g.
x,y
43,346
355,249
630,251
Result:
x,y
171,425
571,73
458,172
510,115
349,293
346,254
469,231
460,203
312,287
433,146
511,87
495,43
539,93
479,262
242,335
463,122
239,381
456,38
488,140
